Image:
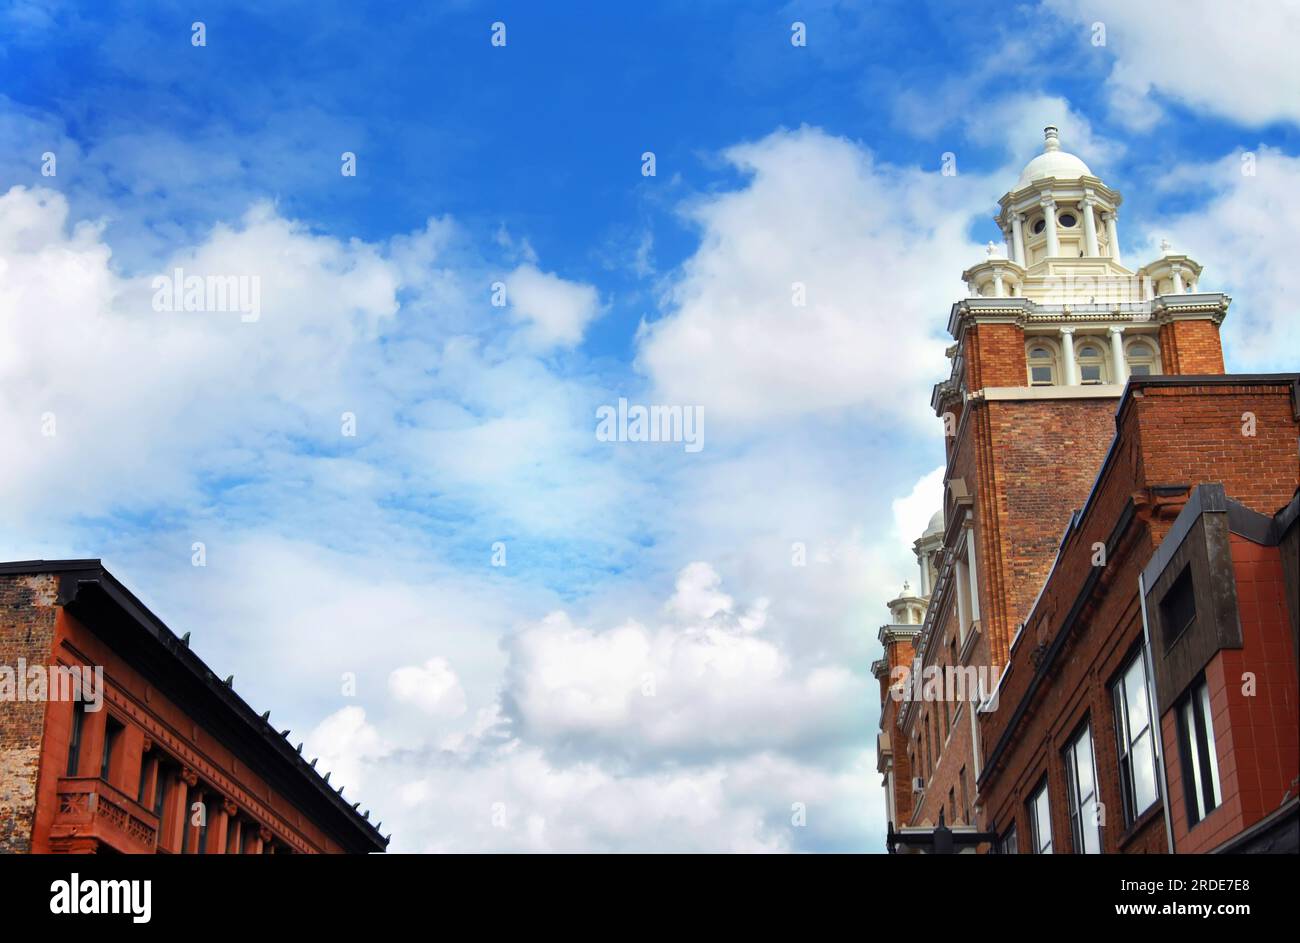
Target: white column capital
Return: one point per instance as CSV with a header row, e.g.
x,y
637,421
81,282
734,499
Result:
x,y
1115,329
1066,331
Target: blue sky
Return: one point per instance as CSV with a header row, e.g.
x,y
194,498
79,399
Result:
x,y
521,164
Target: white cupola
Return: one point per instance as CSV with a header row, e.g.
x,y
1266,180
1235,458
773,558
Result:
x,y
1060,211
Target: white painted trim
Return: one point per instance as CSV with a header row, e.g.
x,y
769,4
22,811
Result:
x,y
1093,391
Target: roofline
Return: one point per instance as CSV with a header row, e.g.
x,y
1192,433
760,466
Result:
x,y
92,572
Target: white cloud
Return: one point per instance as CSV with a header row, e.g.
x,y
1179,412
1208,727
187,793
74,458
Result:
x,y
879,250
557,311
347,747
913,511
148,397
1242,237
1235,60
432,687
314,543
705,683
1016,122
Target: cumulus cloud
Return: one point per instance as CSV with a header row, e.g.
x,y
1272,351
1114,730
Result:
x,y
1240,236
556,311
876,252
692,736
1234,60
705,683
1016,122
92,374
347,747
912,511
666,710
432,687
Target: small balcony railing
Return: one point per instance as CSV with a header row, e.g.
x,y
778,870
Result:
x,y
90,809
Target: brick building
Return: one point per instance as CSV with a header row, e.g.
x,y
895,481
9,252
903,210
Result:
x,y
116,737
1111,608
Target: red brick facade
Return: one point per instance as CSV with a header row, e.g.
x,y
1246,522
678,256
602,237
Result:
x,y
1088,621
170,760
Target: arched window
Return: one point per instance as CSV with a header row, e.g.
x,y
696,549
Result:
x,y
1141,357
1042,364
1090,355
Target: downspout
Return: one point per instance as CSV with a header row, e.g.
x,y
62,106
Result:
x,y
1157,721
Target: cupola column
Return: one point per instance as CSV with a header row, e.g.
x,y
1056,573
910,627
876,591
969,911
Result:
x,y
1118,367
1067,353
1089,227
1049,218
1178,279
1018,237
1111,218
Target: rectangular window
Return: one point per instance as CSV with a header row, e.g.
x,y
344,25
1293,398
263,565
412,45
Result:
x,y
147,770
74,738
112,731
1178,608
1042,376
1081,786
1089,373
160,793
1136,739
1040,822
965,798
1139,370
1010,842
1200,762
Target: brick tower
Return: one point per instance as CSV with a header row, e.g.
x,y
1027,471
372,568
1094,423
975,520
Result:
x,y
1051,329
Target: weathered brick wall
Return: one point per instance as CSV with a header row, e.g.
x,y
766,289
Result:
x,y
1191,347
1241,436
1033,463
27,616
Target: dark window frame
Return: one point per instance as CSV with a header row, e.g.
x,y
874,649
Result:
x,y
1009,843
1037,846
1126,741
75,737
1204,770
113,730
1181,594
1075,800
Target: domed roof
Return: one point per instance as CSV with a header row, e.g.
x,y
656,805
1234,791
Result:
x,y
936,524
1053,162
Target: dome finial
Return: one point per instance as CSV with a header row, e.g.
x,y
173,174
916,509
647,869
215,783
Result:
x,y
1051,139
